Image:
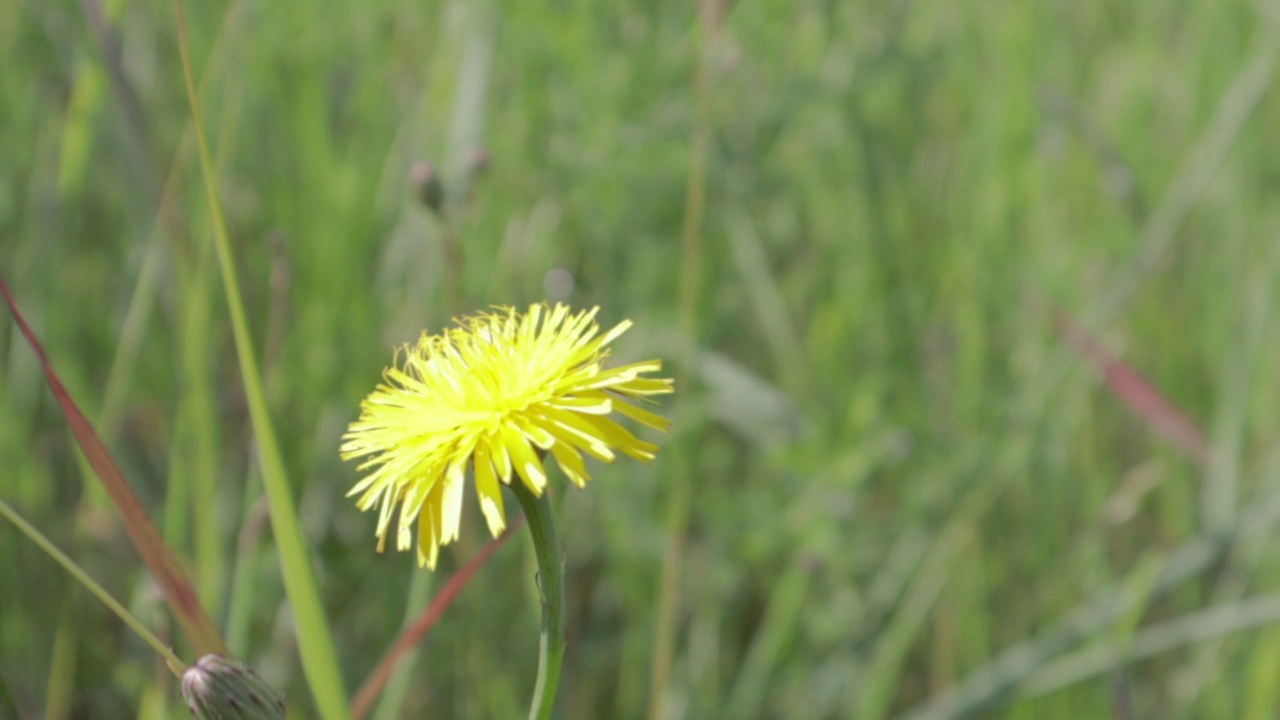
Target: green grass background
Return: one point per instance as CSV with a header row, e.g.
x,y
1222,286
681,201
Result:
x,y
896,470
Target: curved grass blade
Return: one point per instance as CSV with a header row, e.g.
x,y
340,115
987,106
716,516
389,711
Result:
x,y
178,592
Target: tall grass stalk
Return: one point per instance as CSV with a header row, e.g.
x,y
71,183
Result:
x,y
319,659
681,472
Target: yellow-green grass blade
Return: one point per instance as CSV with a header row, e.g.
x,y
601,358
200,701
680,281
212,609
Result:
x,y
315,644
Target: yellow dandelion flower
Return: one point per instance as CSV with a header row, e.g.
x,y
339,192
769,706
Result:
x,y
493,395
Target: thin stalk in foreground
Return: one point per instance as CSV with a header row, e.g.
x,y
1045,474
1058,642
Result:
x,y
551,588
175,665
315,642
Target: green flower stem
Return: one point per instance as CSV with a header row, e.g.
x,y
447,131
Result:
x,y
551,588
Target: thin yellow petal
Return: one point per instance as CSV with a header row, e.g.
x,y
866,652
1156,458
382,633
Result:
x,y
570,429
644,417
524,459
570,463
501,460
429,531
489,492
622,439
589,403
451,502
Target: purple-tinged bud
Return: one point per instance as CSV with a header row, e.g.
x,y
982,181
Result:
x,y
220,688
427,185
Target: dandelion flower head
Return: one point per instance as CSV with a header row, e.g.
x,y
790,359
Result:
x,y
494,395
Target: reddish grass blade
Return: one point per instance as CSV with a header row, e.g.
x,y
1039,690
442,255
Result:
x,y
178,592
377,679
1132,389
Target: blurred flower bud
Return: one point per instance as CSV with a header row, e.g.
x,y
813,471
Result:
x,y
478,161
220,688
558,284
426,185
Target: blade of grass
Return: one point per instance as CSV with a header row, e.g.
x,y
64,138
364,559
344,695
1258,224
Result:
x,y
178,592
875,690
1002,676
767,650
315,643
1215,622
1197,172
1220,494
62,672
248,558
176,665
193,460
396,688
679,504
8,708
1136,392
409,638
766,297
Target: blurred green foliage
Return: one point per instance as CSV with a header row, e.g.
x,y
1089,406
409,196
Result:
x,y
897,467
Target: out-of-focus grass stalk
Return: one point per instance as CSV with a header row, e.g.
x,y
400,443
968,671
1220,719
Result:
x,y
395,685
319,661
8,707
1194,178
465,131
156,261
680,489
1190,629
163,228
1008,670
62,673
197,414
176,665
994,680
393,660
192,476
178,593
253,520
767,650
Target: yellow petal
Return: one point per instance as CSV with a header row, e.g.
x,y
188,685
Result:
x,y
501,460
621,439
489,492
644,417
589,403
574,430
570,463
429,530
451,502
524,459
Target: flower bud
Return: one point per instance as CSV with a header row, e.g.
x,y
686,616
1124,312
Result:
x,y
427,185
478,162
220,688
